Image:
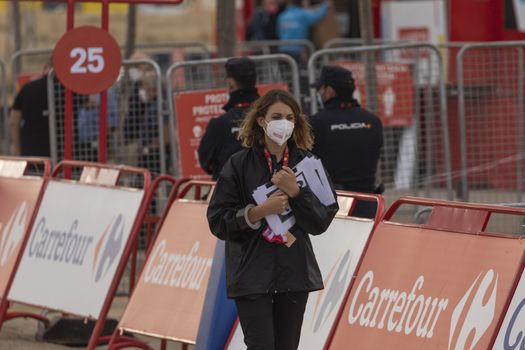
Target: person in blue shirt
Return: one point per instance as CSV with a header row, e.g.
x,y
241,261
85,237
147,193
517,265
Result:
x,y
87,124
295,23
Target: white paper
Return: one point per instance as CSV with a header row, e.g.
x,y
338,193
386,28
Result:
x,y
308,172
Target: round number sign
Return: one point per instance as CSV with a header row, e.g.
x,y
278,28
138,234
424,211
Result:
x,y
87,60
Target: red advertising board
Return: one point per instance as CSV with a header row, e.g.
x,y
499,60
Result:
x,y
194,110
420,288
395,90
20,197
168,299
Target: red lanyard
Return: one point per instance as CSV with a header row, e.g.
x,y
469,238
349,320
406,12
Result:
x,y
269,158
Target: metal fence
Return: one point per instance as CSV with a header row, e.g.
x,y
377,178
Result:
x,y
136,126
265,47
4,144
351,42
28,62
490,85
403,85
210,74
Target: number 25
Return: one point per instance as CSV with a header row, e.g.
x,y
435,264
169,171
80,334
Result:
x,y
95,60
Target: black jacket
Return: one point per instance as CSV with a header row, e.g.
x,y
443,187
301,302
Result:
x,y
348,139
253,265
219,141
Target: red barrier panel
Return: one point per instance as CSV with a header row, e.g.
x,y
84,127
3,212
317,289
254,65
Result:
x,y
444,284
80,241
21,195
339,252
169,296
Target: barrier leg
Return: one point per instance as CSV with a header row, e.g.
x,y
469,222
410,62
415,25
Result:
x,y
133,266
163,344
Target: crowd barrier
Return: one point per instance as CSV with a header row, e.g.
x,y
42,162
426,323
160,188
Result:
x,y
21,194
490,82
135,123
169,295
442,284
196,94
350,42
29,63
402,84
339,252
80,241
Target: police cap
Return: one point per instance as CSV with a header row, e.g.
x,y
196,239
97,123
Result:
x,y
240,68
334,76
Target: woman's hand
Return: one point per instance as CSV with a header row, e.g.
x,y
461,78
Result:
x,y
285,180
277,203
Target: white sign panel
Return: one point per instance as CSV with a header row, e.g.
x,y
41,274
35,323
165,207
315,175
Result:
x,y
76,243
510,335
338,251
519,11
398,23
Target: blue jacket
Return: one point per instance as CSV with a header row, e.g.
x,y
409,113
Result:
x,y
295,22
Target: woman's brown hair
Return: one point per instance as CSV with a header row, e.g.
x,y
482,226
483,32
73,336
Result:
x,y
252,133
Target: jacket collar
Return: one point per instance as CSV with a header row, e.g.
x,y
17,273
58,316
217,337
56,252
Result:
x,y
247,95
336,103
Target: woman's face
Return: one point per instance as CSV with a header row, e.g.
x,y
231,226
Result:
x,y
276,111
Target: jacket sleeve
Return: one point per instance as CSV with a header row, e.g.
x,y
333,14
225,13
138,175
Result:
x,y
226,213
208,146
311,215
313,16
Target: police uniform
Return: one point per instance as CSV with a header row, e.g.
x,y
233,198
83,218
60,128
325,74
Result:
x,y
348,139
220,141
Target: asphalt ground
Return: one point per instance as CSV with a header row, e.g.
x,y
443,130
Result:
x,y
21,334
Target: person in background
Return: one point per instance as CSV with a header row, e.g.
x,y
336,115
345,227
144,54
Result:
x,y
141,128
348,138
220,141
28,119
269,278
295,23
87,124
263,25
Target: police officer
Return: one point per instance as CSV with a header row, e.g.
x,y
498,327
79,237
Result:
x,y
220,139
348,138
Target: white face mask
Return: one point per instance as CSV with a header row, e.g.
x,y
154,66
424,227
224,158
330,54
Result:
x,y
279,131
319,98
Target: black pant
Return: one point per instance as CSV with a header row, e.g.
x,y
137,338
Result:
x,y
272,321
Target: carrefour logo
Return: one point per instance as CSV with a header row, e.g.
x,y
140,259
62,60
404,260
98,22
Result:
x,y
108,248
474,312
71,246
401,311
336,283
12,233
517,321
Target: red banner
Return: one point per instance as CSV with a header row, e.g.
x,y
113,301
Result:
x,y
395,91
168,299
428,289
194,110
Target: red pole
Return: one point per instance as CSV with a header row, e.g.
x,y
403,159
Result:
x,y
103,115
68,120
